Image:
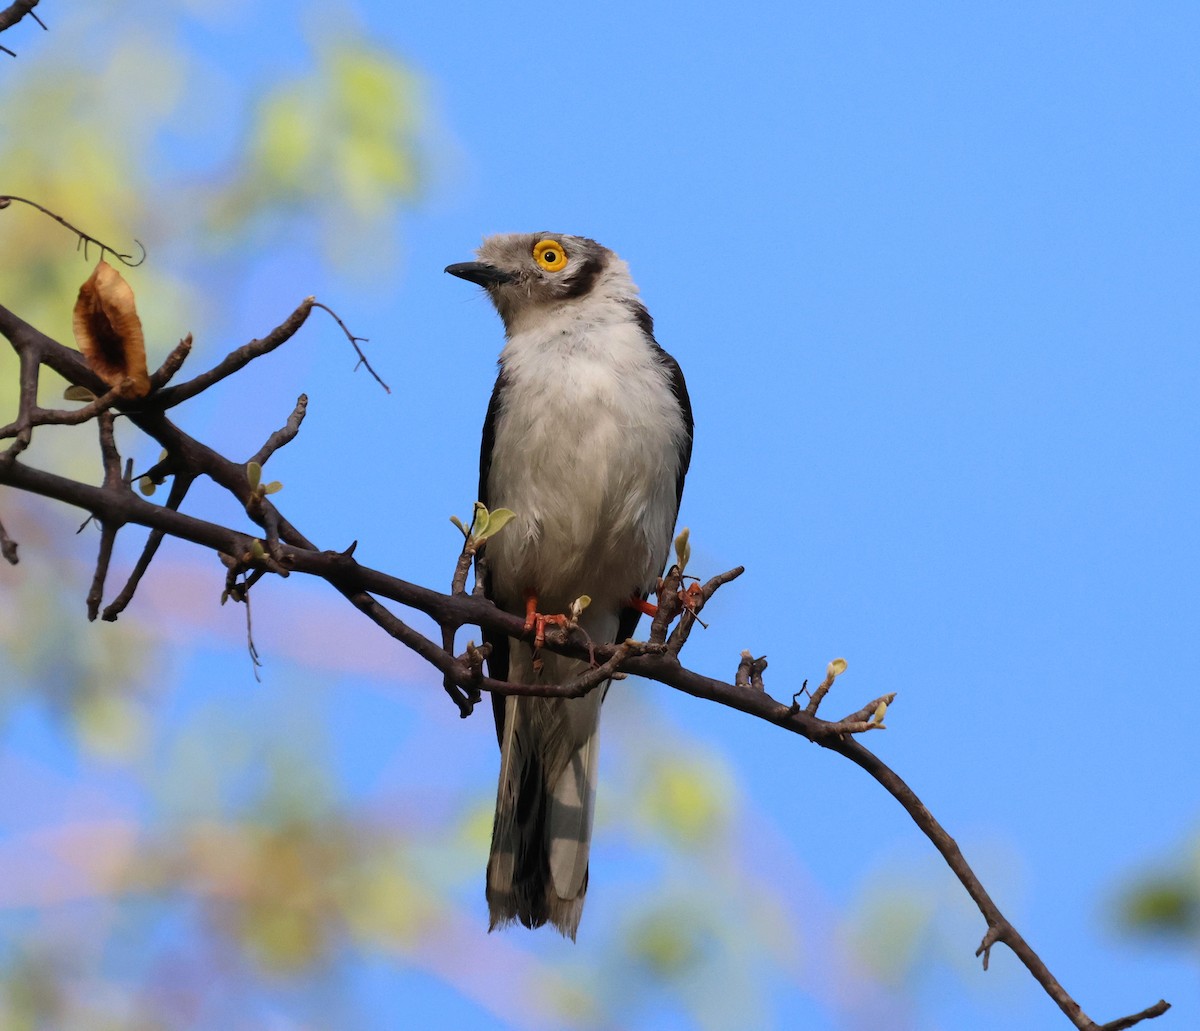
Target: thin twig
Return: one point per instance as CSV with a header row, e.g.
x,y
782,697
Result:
x,y
171,364
354,342
83,238
285,434
818,696
179,488
113,481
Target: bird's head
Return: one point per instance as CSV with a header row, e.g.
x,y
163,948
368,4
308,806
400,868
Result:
x,y
527,272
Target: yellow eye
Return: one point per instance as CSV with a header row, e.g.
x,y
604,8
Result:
x,y
550,255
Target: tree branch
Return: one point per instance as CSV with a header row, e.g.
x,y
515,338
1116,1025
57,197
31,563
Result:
x,y
14,12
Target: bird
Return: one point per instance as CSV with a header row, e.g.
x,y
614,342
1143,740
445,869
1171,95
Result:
x,y
587,439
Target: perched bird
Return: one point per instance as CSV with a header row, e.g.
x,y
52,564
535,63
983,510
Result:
x,y
587,439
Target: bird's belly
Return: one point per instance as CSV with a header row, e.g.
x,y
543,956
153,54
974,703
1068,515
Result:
x,y
593,488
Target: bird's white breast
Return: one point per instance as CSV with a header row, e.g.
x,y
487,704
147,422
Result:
x,y
586,453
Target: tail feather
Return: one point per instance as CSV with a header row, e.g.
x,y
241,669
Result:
x,y
538,868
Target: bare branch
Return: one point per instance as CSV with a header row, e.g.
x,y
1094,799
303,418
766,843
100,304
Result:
x,y
1149,1013
818,696
285,434
354,342
113,481
174,361
179,488
14,12
83,239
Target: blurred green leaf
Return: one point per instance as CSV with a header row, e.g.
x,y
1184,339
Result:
x,y
1165,905
685,799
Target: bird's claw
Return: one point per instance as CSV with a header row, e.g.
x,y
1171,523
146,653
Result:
x,y
536,623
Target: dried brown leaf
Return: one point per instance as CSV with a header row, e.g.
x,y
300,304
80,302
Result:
x,y
109,332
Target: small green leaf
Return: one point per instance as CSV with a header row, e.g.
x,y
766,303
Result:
x,y
254,474
256,549
274,487
459,523
480,519
78,393
147,486
497,521
835,668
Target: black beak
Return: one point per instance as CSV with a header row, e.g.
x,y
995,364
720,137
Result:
x,y
479,272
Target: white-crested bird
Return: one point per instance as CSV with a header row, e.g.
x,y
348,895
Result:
x,y
587,439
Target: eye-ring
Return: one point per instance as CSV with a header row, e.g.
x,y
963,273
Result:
x,y
549,254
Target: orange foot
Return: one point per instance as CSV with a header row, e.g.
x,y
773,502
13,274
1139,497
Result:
x,y
536,623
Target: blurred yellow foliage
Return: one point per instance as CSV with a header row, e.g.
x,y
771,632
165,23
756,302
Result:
x,y
689,801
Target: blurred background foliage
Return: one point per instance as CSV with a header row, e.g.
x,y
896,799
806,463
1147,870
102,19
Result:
x,y
1162,905
181,855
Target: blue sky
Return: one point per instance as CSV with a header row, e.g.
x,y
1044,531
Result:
x,y
931,273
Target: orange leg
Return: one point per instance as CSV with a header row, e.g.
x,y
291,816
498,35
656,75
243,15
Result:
x,y
688,598
536,622
646,608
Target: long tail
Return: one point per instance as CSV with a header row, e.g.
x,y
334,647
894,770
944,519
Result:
x,y
538,868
